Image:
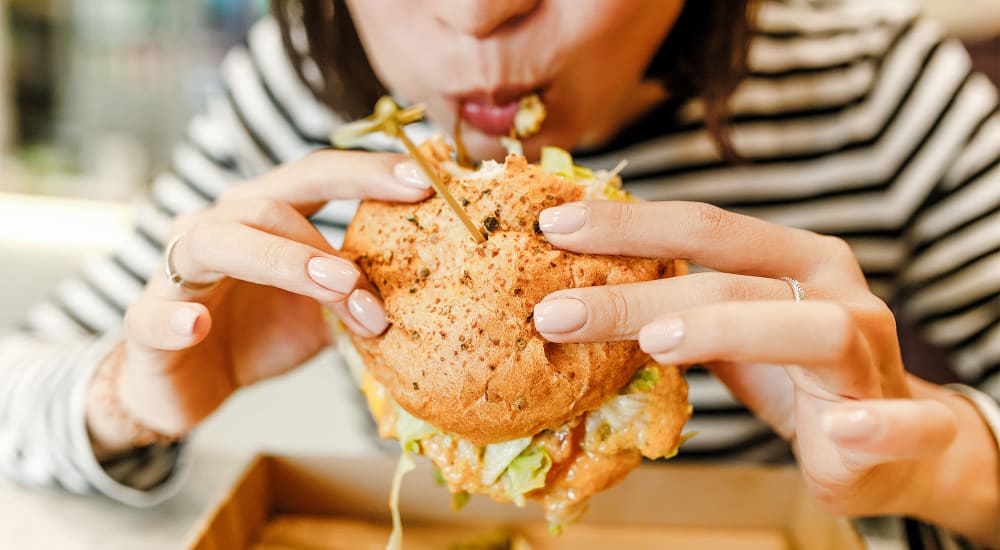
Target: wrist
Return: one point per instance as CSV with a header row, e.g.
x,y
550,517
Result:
x,y
112,428
960,488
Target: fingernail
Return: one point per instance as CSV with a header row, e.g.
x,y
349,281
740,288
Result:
x,y
408,172
661,336
850,423
563,219
367,310
182,321
560,315
333,273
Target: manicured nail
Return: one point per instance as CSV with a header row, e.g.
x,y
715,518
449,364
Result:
x,y
850,423
408,172
367,310
182,320
563,219
333,273
661,336
560,315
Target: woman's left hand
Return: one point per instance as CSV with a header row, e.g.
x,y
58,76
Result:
x,y
825,372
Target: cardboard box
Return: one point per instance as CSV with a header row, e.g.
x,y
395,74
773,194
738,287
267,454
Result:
x,y
326,503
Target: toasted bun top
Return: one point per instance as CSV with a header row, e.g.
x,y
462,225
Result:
x,y
461,351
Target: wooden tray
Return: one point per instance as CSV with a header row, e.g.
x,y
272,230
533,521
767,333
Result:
x,y
333,503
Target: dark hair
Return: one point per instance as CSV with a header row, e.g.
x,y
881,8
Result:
x,y
704,56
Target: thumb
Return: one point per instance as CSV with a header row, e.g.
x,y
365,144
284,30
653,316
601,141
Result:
x,y
876,431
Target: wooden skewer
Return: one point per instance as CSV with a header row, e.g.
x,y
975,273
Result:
x,y
390,119
441,188
461,154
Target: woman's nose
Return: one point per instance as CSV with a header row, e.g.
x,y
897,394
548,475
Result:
x,y
480,18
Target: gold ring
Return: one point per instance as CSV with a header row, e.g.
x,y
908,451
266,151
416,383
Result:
x,y
174,277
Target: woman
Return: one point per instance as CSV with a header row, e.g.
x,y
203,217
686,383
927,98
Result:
x,y
852,119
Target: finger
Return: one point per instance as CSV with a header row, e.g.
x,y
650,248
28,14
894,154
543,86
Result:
x,y
876,431
363,313
328,175
264,213
213,249
618,312
819,337
157,324
705,234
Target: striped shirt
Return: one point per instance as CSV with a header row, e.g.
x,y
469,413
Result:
x,y
858,119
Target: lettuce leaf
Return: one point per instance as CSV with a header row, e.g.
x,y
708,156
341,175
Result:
x,y
684,437
512,146
558,161
404,466
498,457
621,412
644,379
459,500
526,473
411,430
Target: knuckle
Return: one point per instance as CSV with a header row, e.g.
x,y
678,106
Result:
x,y
271,256
838,251
268,211
623,217
198,235
736,290
619,311
317,162
835,494
840,333
885,318
837,247
878,321
196,254
711,220
838,256
620,216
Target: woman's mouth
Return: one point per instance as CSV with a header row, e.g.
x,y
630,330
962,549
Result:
x,y
492,113
495,120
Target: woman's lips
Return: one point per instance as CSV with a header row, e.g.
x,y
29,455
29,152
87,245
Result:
x,y
493,111
490,118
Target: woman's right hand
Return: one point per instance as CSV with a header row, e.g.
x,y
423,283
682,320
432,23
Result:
x,y
186,351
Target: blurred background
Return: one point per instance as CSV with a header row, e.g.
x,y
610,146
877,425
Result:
x,y
93,92
92,95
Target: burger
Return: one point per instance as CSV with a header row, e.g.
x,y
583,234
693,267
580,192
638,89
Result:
x,y
462,377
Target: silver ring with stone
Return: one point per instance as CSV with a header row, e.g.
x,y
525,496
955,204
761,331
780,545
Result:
x,y
796,288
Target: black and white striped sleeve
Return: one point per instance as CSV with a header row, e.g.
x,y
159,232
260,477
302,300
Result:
x,y
268,116
951,286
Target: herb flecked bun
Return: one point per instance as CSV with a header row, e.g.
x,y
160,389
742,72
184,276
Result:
x,y
462,377
461,352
